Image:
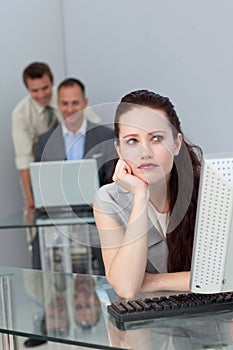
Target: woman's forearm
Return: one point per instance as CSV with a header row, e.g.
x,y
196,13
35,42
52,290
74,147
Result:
x,y
127,269
176,281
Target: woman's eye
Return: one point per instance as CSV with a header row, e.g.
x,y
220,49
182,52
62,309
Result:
x,y
131,141
157,138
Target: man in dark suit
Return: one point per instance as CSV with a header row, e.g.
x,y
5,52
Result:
x,y
77,137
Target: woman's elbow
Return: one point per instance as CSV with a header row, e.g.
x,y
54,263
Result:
x,y
126,293
123,290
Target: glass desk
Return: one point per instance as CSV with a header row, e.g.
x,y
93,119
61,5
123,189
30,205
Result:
x,y
64,236
72,309
29,219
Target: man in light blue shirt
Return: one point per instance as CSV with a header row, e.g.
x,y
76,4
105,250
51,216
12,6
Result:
x,y
74,142
77,137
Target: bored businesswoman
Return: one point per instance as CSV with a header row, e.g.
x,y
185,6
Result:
x,y
146,217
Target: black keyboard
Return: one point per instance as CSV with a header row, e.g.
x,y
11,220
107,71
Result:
x,y
175,305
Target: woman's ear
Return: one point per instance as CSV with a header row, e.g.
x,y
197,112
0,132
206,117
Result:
x,y
117,147
178,143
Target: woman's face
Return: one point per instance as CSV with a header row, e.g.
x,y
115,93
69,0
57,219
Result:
x,y
147,144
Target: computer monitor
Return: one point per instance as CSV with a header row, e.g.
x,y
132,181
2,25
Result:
x,y
212,261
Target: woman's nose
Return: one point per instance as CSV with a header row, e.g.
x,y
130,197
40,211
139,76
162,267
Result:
x,y
146,151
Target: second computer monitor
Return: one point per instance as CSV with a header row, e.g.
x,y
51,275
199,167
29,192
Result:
x,y
212,262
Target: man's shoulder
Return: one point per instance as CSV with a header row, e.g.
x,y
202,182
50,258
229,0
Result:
x,y
49,134
22,106
102,130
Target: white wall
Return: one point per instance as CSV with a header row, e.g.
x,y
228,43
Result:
x,y
29,30
181,49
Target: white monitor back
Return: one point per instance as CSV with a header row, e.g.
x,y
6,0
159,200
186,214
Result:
x,y
212,262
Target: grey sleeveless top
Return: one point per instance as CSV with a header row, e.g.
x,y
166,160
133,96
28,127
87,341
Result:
x,y
117,203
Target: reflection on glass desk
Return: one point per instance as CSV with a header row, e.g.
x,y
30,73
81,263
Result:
x,y
29,218
72,309
74,235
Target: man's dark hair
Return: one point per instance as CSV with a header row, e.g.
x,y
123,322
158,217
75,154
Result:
x,y
36,70
71,82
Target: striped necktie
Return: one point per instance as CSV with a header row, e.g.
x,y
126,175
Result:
x,y
52,119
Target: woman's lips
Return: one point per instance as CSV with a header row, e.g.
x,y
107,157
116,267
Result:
x,y
147,166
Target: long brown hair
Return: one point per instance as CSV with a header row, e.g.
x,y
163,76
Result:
x,y
184,181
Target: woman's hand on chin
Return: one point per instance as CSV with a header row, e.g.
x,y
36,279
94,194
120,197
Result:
x,y
123,177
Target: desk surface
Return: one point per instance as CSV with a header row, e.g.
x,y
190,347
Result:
x,y
72,309
28,218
